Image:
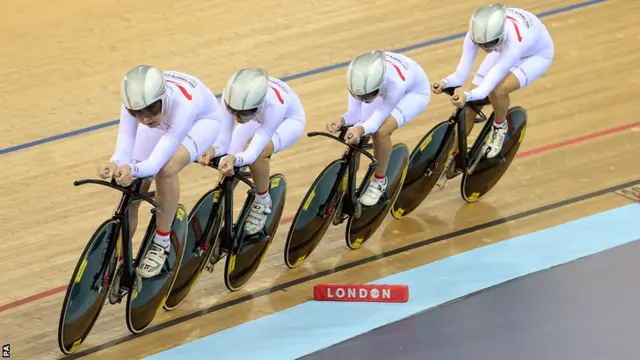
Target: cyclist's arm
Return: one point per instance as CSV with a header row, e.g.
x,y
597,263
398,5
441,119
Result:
x,y
354,110
223,141
394,92
273,116
495,75
127,129
168,144
469,53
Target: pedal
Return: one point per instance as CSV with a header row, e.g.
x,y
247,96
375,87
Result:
x,y
116,293
260,236
137,283
211,265
214,258
384,200
444,177
338,217
442,181
358,210
114,299
451,172
481,155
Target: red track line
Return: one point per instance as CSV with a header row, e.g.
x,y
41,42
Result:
x,y
561,144
32,298
578,140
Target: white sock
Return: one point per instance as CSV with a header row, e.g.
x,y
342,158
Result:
x,y
162,239
381,181
263,198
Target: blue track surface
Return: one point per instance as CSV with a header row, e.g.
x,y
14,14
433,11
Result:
x,y
312,326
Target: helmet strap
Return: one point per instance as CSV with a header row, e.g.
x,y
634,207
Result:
x,y
258,112
165,105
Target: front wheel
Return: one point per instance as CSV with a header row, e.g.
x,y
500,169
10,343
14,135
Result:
x,y
88,287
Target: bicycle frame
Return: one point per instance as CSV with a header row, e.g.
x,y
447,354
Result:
x,y
468,160
350,157
120,216
232,232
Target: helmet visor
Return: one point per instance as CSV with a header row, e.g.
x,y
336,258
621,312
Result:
x,y
367,98
242,114
488,45
149,111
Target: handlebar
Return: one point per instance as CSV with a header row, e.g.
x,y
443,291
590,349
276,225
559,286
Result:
x,y
129,190
338,139
237,173
473,105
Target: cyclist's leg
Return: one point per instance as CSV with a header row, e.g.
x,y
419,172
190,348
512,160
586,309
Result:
x,y
521,75
201,136
289,131
487,64
146,140
470,115
411,105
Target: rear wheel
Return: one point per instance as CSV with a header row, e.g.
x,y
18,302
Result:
x,y
426,165
245,260
198,246
360,229
315,213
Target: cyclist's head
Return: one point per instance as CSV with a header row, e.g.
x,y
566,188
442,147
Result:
x,y
143,91
365,75
487,26
245,93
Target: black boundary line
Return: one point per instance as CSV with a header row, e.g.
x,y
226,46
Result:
x,y
386,254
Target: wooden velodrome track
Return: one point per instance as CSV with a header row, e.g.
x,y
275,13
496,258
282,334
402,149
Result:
x,y
61,72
